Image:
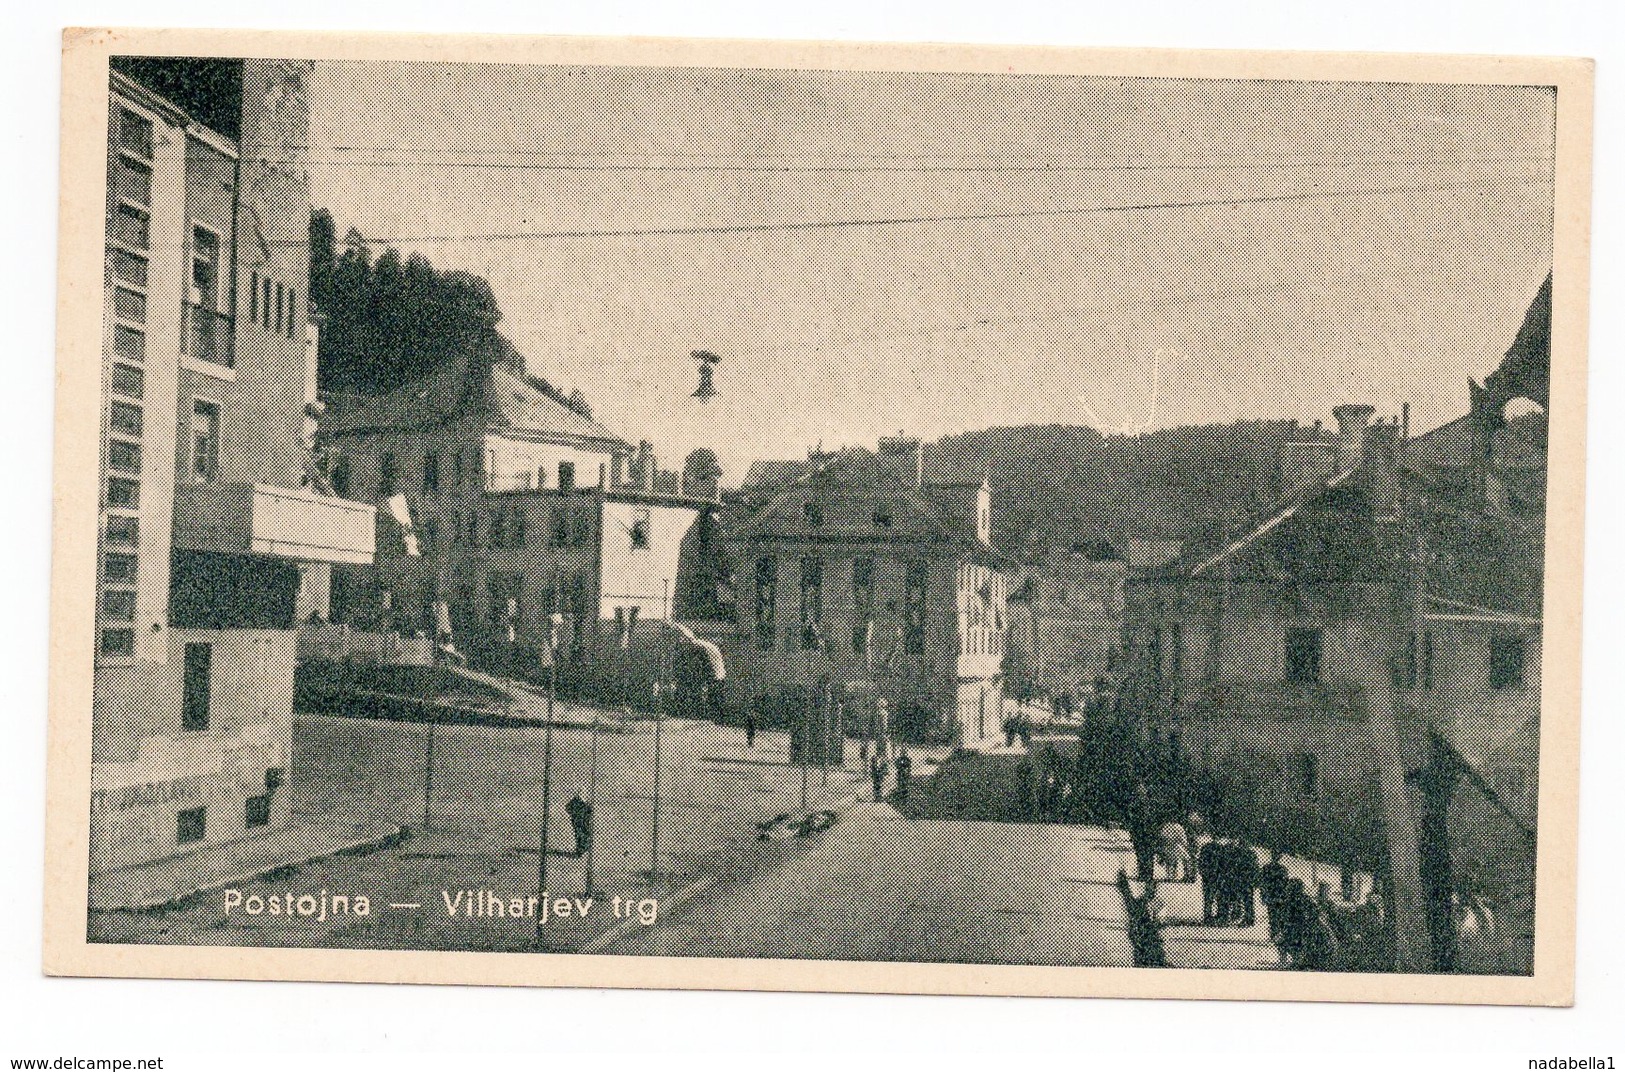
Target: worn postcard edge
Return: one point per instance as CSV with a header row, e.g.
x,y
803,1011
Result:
x,y
84,118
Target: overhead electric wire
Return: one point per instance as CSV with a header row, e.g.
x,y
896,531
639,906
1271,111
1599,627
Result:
x,y
975,217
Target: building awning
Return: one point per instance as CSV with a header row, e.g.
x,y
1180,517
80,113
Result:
x,y
259,519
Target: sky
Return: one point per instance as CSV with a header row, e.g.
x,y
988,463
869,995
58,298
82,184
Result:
x,y
872,253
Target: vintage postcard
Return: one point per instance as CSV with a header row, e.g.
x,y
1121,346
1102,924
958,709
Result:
x,y
793,516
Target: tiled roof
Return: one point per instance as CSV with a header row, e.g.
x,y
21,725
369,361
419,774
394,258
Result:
x,y
509,402
847,492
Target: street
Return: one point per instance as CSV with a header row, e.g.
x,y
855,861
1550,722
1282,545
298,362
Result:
x,y
484,826
880,887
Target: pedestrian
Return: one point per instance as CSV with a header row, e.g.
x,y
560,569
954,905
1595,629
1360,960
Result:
x,y
1024,730
1245,883
1291,932
750,729
904,765
1208,861
1009,731
1272,884
1142,832
580,813
1176,851
877,774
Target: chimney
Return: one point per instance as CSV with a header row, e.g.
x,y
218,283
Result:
x,y
645,474
1351,422
907,455
1380,453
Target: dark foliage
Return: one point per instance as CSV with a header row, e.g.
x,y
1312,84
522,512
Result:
x,y
392,320
1053,483
209,90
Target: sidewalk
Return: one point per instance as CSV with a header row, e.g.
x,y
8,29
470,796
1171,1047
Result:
x,y
1189,943
214,867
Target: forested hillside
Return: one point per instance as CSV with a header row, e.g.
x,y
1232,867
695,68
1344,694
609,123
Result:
x,y
1066,484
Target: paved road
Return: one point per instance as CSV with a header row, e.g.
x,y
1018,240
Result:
x,y
880,887
483,832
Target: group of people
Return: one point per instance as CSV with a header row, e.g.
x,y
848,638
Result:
x,y
1017,725
877,774
1230,878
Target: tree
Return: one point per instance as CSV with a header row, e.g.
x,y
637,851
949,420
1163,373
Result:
x,y
391,320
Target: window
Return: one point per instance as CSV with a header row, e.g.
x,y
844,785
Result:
x,y
122,492
257,810
118,605
195,685
131,227
135,134
124,456
767,570
457,468
640,530
205,442
190,825
132,180
567,476
386,475
129,343
1303,655
431,472
914,608
129,305
265,304
118,641
814,513
125,418
293,321
128,380
117,566
1506,662
254,297
863,602
279,309
812,602
129,268
205,268
121,528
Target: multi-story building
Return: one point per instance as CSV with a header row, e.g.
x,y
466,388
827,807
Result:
x,y
518,507
212,542
1358,673
859,580
1066,617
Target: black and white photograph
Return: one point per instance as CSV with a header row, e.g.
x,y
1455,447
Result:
x,y
628,515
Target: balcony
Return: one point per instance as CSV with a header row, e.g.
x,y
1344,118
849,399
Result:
x,y
207,336
257,519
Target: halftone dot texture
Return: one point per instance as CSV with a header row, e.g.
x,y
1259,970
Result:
x,y
1055,281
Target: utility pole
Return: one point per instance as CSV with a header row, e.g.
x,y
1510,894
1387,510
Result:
x,y
587,882
428,762
660,716
1399,743
547,769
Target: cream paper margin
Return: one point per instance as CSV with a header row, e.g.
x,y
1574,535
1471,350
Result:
x,y
83,170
